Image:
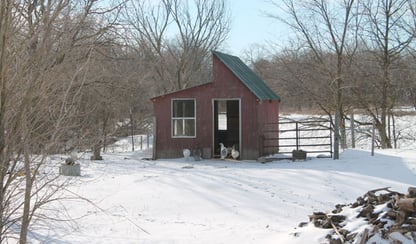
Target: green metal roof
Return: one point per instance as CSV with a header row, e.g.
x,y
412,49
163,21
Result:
x,y
247,76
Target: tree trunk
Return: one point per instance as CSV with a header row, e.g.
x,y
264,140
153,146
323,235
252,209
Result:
x,y
131,128
394,131
96,150
3,168
104,130
343,133
98,145
27,197
384,139
352,131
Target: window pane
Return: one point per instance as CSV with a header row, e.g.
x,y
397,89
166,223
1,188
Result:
x,y
183,108
189,110
176,112
189,127
222,121
178,127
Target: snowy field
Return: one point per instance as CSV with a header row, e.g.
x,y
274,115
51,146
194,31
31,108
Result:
x,y
125,199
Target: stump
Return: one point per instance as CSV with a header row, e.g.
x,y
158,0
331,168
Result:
x,y
70,170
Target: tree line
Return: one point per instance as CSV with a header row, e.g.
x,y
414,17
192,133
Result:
x,y
345,57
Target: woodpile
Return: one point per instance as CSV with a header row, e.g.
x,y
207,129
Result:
x,y
384,211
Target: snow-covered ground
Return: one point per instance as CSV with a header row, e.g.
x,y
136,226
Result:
x,y
130,200
127,199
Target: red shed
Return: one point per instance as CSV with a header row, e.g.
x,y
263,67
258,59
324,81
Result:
x,y
232,109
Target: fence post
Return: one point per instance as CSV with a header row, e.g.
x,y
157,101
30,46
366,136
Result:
x,y
373,134
352,131
148,140
297,136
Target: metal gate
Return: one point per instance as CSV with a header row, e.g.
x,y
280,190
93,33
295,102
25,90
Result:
x,y
313,135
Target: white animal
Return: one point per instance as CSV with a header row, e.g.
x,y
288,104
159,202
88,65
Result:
x,y
234,153
186,153
223,151
74,156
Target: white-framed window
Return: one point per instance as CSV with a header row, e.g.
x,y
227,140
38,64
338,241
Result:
x,y
183,118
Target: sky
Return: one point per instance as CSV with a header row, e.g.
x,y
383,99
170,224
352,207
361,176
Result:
x,y
251,26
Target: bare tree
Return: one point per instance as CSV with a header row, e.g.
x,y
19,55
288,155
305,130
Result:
x,y
299,79
177,37
136,93
103,98
44,55
389,31
325,28
5,26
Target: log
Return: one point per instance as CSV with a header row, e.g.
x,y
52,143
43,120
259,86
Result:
x,y
401,217
366,212
363,237
411,192
341,237
402,229
380,189
407,204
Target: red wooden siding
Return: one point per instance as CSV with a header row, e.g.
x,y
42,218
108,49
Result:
x,y
225,85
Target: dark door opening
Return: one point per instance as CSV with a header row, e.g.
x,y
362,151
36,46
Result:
x,y
226,124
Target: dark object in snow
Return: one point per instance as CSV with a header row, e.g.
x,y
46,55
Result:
x,y
70,170
398,216
96,157
197,154
298,155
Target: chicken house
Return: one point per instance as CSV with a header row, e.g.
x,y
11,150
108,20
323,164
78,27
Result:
x,y
233,109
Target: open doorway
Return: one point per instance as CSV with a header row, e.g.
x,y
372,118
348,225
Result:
x,y
226,124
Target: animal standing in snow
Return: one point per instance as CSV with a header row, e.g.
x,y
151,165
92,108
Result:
x,y
72,158
186,153
234,153
223,151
